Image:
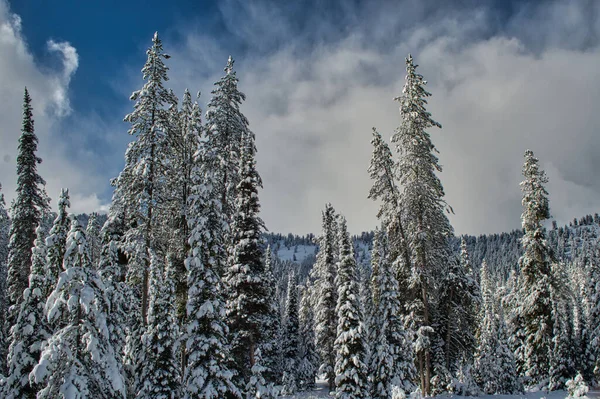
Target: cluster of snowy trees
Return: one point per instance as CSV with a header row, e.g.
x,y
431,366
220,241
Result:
x,y
176,294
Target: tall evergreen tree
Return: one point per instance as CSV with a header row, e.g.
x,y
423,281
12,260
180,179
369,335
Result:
x,y
92,232
247,305
257,387
325,302
291,338
534,292
140,187
78,360
422,198
271,347
57,239
495,370
392,362
206,374
226,128
118,293
350,369
31,329
160,373
592,311
4,236
457,321
391,212
308,357
27,209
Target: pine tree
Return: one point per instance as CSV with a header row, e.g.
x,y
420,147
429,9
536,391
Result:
x,y
247,305
78,360
31,329
4,236
271,347
535,297
350,344
291,338
325,314
257,387
27,209
391,213
92,232
592,311
206,374
226,128
308,357
392,357
117,291
514,322
57,239
459,298
160,373
427,226
140,187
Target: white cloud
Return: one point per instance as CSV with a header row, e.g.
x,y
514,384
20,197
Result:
x,y
495,93
50,100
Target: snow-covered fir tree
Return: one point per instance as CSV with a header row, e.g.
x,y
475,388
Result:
x,y
247,305
92,232
226,128
422,198
31,330
308,359
391,212
457,320
118,293
78,360
4,236
26,211
592,325
561,367
535,302
515,328
495,370
324,272
57,239
160,372
350,344
140,187
291,338
206,374
257,387
392,360
271,346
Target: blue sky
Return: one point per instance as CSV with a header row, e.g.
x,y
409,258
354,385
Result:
x,y
505,76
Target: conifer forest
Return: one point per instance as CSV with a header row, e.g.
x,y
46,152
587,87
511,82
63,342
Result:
x,y
181,291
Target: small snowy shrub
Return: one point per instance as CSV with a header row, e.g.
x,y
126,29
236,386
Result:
x,y
577,387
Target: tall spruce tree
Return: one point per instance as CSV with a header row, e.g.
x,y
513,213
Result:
x,y
160,373
29,204
118,293
391,212
291,338
57,239
140,187
247,305
535,308
271,347
350,344
4,236
31,329
78,360
92,232
592,311
392,362
457,321
325,273
308,357
206,374
422,199
226,128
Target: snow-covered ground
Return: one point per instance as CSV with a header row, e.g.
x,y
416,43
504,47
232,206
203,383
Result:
x,y
321,392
